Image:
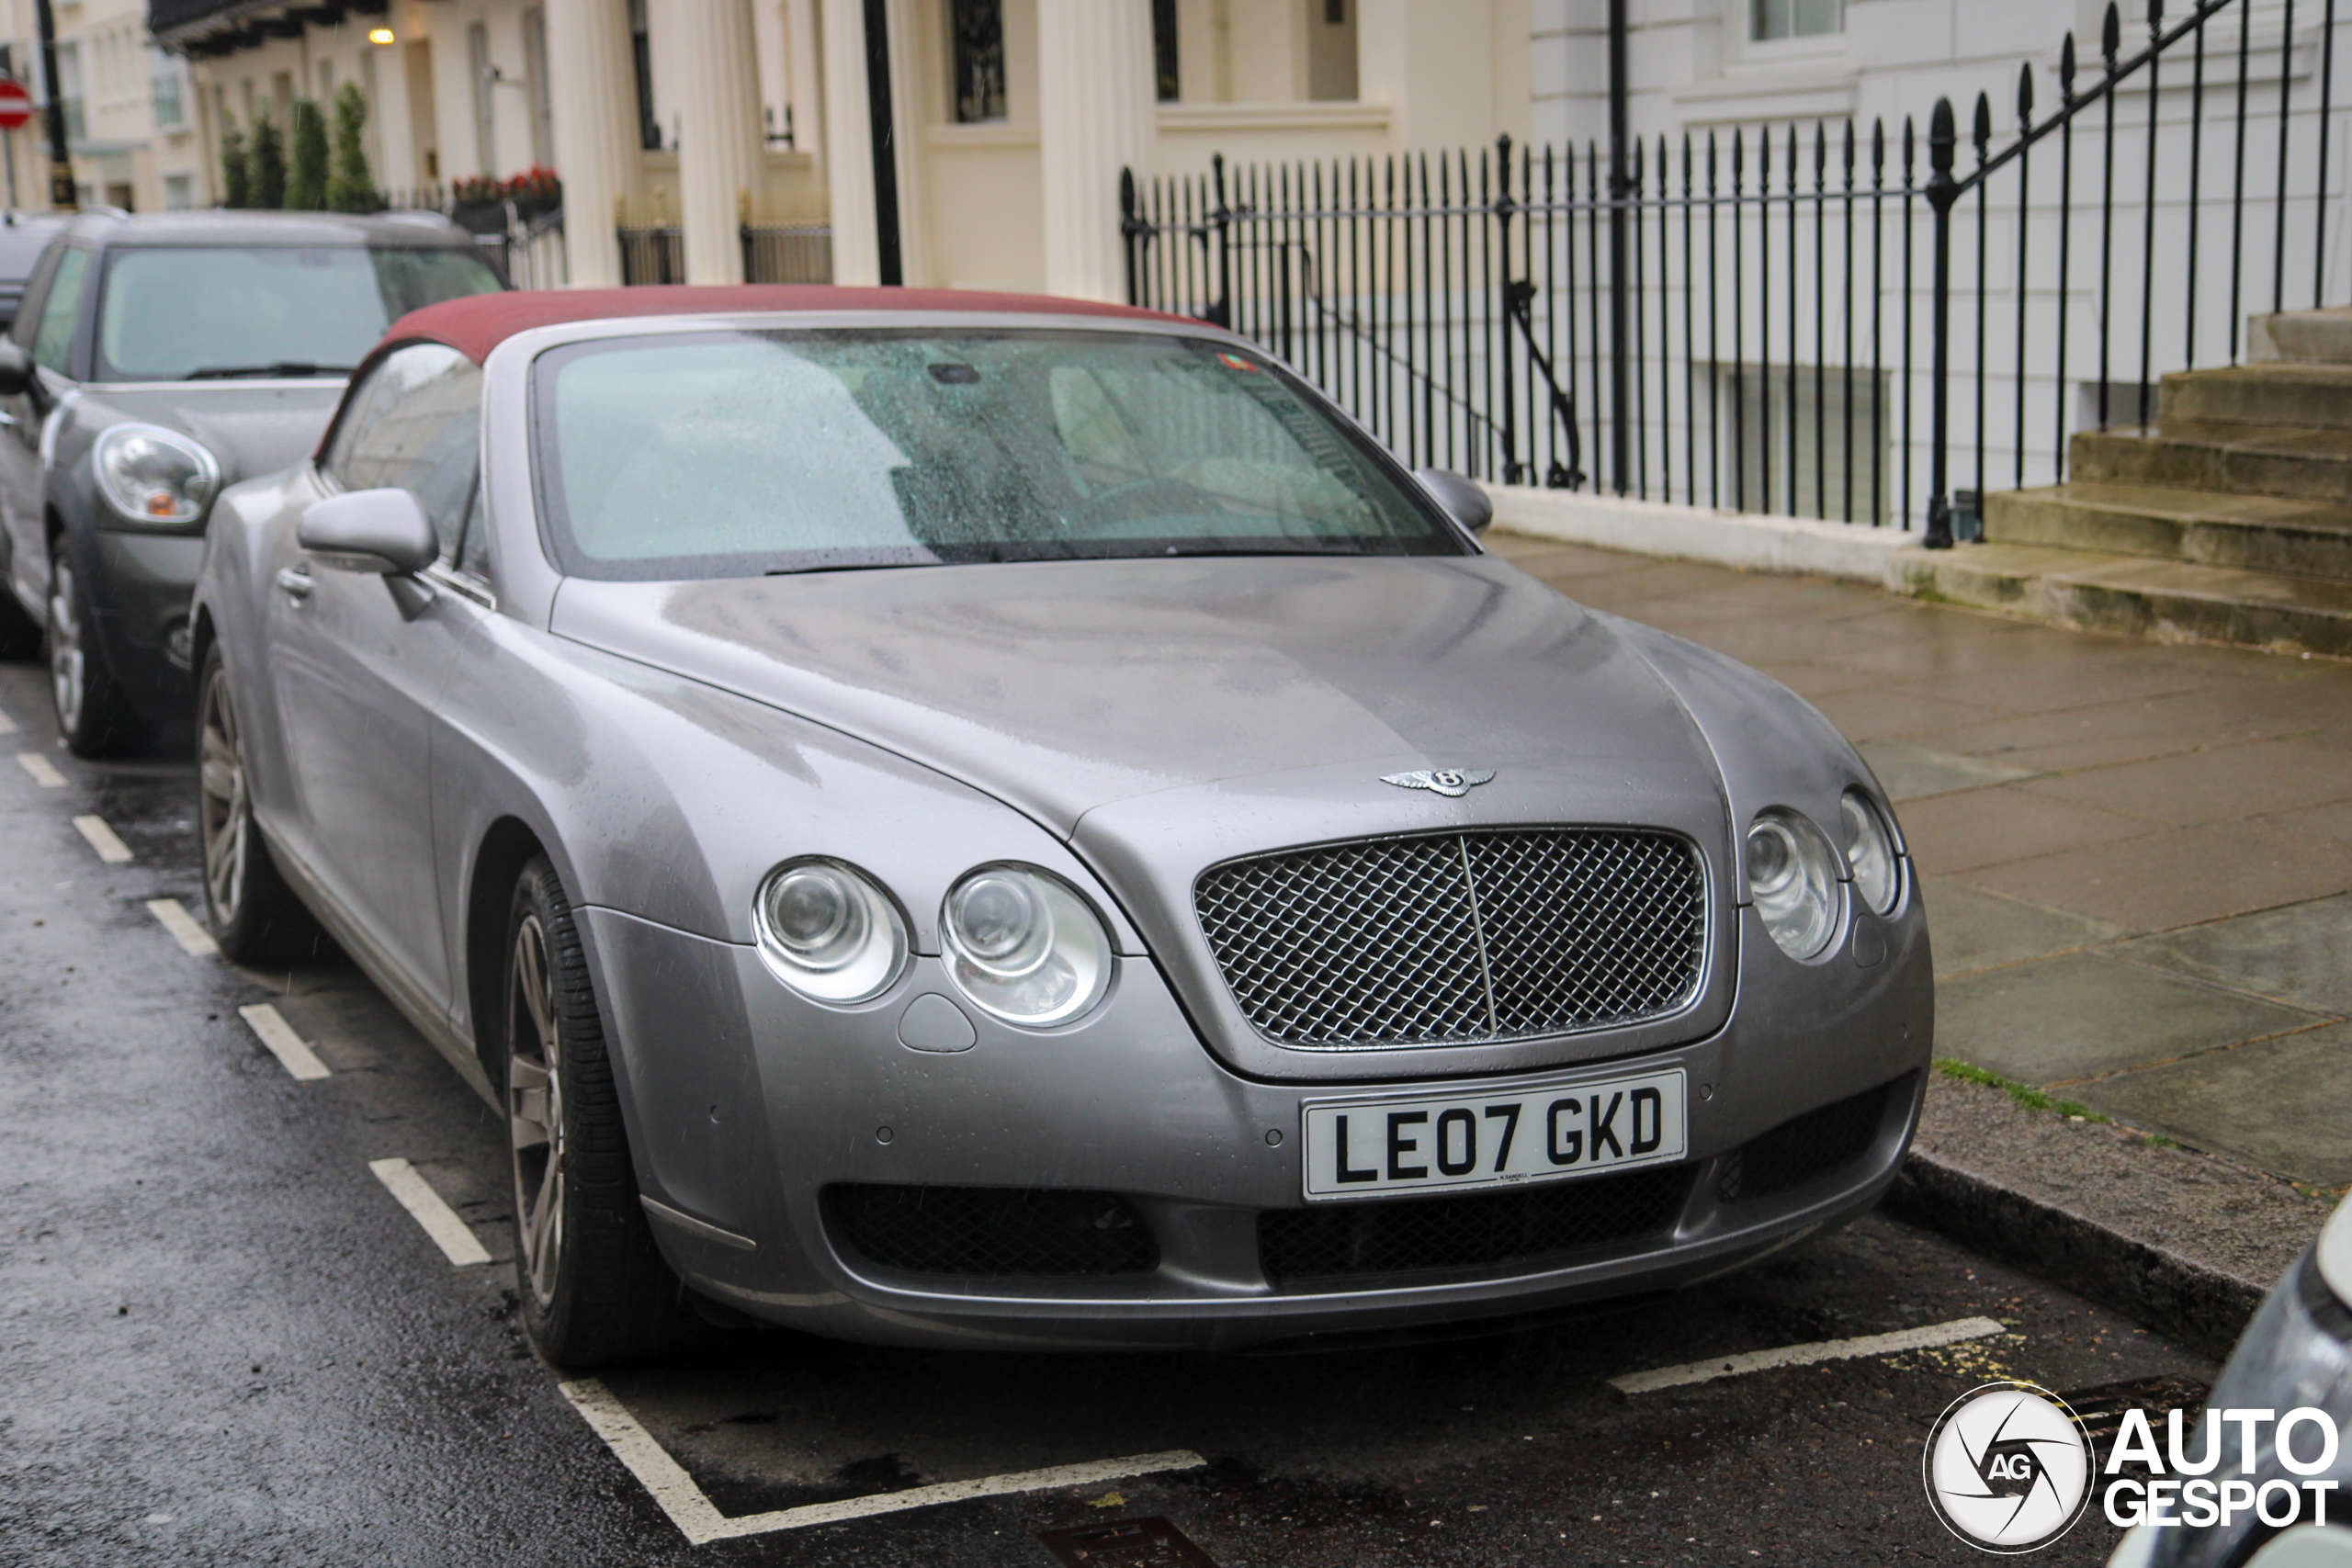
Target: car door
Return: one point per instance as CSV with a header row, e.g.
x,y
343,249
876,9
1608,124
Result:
x,y
45,332
355,673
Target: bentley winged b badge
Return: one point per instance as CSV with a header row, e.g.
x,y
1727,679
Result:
x,y
1452,783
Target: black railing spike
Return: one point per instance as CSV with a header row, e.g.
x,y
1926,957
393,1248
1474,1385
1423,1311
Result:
x,y
2067,71
1850,151
2155,18
2110,36
1820,153
1878,147
1982,132
2025,97
1943,138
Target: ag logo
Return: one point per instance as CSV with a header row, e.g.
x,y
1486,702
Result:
x,y
2007,1468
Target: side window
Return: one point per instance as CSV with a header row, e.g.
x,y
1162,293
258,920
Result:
x,y
473,556
53,339
415,425
36,291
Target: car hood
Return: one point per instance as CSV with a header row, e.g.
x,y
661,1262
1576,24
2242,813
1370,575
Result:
x,y
1065,687
250,429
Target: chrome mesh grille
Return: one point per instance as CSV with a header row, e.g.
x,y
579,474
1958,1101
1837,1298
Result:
x,y
1459,938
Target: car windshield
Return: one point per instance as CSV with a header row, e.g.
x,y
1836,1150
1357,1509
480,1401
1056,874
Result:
x,y
731,453
195,312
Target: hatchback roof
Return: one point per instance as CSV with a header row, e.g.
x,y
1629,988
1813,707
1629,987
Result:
x,y
390,229
479,323
23,237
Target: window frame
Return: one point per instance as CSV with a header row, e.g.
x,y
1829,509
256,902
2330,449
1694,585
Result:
x,y
327,460
1830,41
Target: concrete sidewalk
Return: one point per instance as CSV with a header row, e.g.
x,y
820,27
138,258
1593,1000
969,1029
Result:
x,y
2138,857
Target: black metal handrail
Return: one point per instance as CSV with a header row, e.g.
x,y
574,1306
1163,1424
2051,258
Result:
x,y
1763,266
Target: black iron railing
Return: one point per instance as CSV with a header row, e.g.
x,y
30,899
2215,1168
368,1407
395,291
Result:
x,y
1828,321
772,253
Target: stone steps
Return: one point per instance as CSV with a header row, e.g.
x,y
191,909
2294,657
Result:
x,y
2283,394
2203,528
2168,601
2242,459
2316,336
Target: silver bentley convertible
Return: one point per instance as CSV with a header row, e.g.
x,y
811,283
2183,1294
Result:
x,y
992,821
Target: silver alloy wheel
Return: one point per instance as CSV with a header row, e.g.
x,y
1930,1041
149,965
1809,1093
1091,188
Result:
x,y
222,815
534,1107
68,660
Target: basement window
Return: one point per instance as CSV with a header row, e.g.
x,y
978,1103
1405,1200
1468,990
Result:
x,y
978,27
1772,20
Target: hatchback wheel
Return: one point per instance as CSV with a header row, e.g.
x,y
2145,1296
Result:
x,y
254,916
594,1287
91,712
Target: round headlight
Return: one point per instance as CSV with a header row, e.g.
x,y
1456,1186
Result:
x,y
1869,850
155,476
826,931
1792,877
1024,946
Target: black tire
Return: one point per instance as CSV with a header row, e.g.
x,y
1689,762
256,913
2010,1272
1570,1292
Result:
x,y
92,713
20,631
254,916
595,1289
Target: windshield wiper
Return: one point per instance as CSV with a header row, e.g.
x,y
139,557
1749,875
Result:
x,y
283,367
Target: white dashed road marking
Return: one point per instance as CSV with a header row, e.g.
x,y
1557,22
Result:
x,y
43,770
284,1044
7,724
185,929
111,849
1902,1339
700,1522
425,1207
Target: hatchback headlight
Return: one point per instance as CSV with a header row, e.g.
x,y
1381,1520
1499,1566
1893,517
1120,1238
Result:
x,y
828,932
1869,852
1024,946
155,476
1792,877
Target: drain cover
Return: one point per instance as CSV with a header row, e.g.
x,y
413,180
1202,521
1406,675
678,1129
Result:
x,y
2100,1410
1125,1544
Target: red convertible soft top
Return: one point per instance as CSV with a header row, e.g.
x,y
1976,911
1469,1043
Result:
x,y
475,325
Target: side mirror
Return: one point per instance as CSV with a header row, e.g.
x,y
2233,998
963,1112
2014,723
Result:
x,y
1462,500
16,370
381,531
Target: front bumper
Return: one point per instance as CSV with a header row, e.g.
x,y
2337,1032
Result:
x,y
140,586
744,1118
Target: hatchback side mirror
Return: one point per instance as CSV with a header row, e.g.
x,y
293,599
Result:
x,y
1462,500
381,531
16,370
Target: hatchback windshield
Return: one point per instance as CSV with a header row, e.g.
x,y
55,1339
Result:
x,y
731,453
189,313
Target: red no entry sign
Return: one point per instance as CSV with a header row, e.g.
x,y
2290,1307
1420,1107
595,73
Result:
x,y
16,105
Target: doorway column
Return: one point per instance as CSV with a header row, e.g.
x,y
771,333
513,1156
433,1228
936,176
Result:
x,y
592,78
719,145
1097,115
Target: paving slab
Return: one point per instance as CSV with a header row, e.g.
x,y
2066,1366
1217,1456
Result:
x,y
2277,1104
1971,929
1990,827
2301,954
2179,877
1911,772
2078,1015
2217,784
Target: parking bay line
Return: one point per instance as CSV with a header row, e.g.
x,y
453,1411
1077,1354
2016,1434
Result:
x,y
43,770
7,724
292,1053
111,849
185,930
701,1522
449,1232
1902,1339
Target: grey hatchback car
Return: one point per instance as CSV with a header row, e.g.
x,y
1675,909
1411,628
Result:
x,y
1001,822
154,360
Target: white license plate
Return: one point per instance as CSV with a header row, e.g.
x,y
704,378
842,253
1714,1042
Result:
x,y
1365,1146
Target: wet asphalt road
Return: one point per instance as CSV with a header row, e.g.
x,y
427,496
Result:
x,y
223,1342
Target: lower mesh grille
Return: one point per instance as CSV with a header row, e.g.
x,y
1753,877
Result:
x,y
992,1231
1336,1241
1804,1148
